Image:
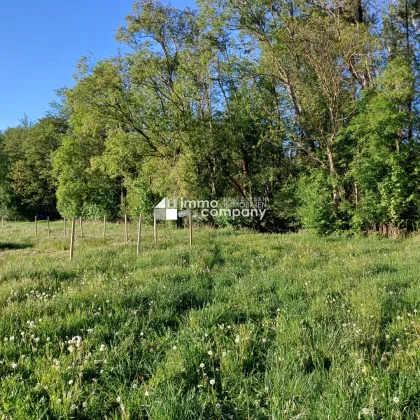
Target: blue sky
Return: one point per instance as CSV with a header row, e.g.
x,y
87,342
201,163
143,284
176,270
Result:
x,y
41,41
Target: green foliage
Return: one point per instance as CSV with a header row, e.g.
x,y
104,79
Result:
x,y
317,210
298,105
83,190
386,164
141,199
4,182
29,150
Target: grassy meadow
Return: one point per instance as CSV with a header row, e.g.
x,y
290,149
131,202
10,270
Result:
x,y
241,326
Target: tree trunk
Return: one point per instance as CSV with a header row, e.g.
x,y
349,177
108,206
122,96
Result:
x,y
335,191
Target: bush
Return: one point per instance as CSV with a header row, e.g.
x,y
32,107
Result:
x,y
141,199
316,210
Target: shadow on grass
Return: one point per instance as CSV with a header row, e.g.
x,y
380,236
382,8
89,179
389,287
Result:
x,y
7,246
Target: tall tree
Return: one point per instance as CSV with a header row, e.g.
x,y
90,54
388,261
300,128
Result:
x,y
30,149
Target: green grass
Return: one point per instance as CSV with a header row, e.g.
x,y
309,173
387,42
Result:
x,y
287,326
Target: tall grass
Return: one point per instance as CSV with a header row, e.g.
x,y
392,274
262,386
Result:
x,y
241,326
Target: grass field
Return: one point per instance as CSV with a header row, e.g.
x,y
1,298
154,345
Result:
x,y
243,326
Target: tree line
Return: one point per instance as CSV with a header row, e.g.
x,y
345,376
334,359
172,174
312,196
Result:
x,y
312,105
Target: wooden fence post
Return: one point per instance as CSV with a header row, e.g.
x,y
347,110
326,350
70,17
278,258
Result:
x,y
191,227
81,227
73,228
126,228
154,228
139,237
